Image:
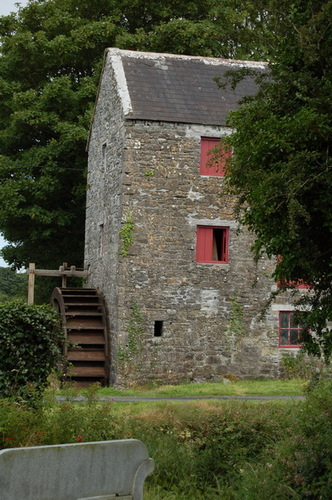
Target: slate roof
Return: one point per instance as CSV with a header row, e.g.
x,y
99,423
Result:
x,y
176,88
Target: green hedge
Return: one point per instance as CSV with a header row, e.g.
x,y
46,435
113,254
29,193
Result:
x,y
30,347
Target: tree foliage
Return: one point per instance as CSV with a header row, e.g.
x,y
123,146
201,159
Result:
x,y
51,53
12,284
282,170
48,82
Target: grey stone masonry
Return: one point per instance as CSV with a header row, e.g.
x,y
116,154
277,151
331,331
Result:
x,y
78,471
172,318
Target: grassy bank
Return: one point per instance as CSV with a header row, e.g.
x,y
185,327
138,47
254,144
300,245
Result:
x,y
205,449
198,447
254,387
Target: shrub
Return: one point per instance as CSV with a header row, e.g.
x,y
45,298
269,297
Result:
x,y
30,348
300,366
299,465
310,460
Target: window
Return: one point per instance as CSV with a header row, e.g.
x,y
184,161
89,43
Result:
x,y
212,244
158,328
289,330
101,239
104,157
298,283
218,167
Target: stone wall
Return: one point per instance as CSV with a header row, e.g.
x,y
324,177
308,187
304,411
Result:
x,y
104,200
209,311
171,318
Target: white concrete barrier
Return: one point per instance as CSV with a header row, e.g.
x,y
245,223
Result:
x,y
100,470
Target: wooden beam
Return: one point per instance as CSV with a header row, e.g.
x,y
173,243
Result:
x,y
63,272
50,272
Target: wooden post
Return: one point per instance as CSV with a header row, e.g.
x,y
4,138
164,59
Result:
x,y
64,277
31,284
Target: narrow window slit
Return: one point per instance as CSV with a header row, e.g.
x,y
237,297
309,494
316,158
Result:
x,y
158,328
104,157
101,238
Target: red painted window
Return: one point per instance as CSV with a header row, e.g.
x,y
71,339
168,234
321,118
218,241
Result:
x,y
217,168
289,330
212,244
299,284
284,284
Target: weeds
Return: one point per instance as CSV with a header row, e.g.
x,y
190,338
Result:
x,y
300,366
299,464
206,449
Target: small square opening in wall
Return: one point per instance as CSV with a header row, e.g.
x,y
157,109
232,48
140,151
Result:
x,y
212,244
158,328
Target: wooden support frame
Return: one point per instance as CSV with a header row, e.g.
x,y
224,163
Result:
x,y
64,272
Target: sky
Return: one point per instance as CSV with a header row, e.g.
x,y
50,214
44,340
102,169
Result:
x,y
2,262
6,7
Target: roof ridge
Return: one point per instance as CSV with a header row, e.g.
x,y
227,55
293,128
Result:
x,y
209,60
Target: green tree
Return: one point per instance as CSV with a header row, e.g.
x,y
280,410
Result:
x,y
12,284
51,51
51,56
216,28
282,171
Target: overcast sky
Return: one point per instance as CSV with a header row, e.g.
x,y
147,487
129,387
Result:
x,y
8,6
2,262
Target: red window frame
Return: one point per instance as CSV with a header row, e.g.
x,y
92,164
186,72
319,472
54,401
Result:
x,y
217,169
299,284
212,243
289,330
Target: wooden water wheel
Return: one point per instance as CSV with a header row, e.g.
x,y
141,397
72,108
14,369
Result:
x,y
83,319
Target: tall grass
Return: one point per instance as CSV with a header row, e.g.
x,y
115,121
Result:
x,y
206,449
198,448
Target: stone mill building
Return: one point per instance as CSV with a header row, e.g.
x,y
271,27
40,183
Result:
x,y
183,294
